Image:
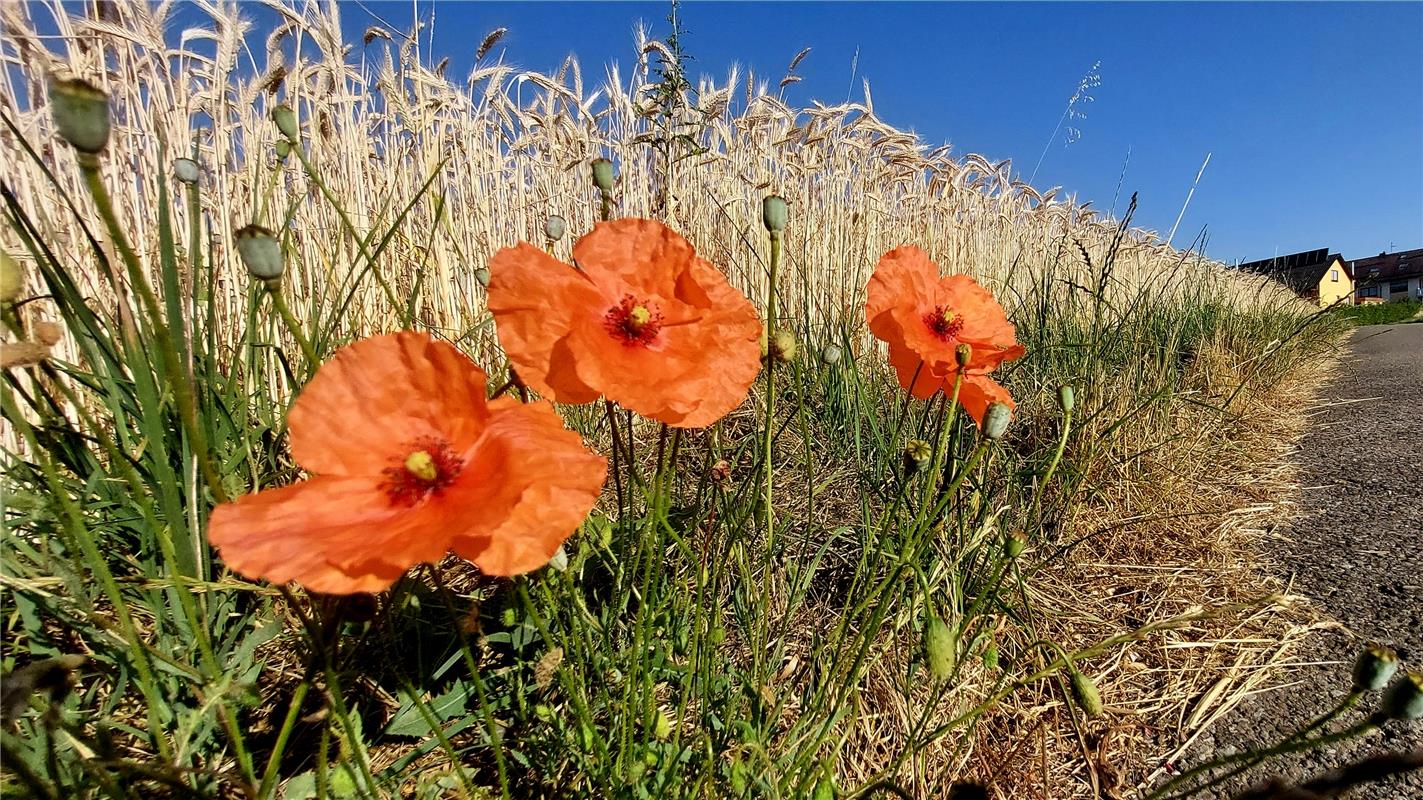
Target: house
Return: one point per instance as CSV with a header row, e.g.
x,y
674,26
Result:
x,y
1388,277
1316,275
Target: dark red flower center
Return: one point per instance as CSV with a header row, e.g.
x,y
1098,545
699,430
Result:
x,y
427,468
633,322
944,323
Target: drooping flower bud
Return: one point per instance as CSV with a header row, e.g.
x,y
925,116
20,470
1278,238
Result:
x,y
603,174
285,119
185,170
917,453
1066,398
1375,665
939,647
1014,543
774,213
996,419
1085,694
963,354
261,253
12,278
831,355
1404,699
555,227
81,113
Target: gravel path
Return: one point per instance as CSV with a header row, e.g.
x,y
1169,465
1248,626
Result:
x,y
1356,551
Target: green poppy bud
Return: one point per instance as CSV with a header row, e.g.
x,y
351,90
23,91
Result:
x,y
81,113
662,726
603,174
185,170
1015,543
1066,398
283,149
825,787
285,118
1375,665
939,648
774,213
1404,699
830,355
963,354
917,453
554,228
996,419
261,253
12,278
1085,694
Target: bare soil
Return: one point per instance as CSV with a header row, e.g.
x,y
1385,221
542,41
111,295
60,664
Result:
x,y
1356,552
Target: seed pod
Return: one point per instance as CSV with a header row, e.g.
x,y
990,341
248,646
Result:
x,y
939,647
81,113
285,119
559,561
185,170
831,355
996,419
555,227
1085,694
603,174
783,347
12,278
963,354
917,453
1404,699
774,213
1066,398
261,253
1375,665
482,276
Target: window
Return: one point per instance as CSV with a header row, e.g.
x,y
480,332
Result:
x,y
1394,287
1369,291
1334,275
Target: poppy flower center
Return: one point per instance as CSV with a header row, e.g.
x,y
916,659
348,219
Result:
x,y
429,466
944,323
633,322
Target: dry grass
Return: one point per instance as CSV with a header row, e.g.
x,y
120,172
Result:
x,y
509,148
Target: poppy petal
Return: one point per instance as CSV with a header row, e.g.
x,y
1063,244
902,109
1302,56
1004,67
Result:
x,y
402,387
977,391
645,254
534,484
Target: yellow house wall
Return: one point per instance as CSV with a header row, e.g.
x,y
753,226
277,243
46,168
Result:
x,y
1331,290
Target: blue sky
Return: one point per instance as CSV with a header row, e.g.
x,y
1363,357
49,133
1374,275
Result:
x,y
1312,112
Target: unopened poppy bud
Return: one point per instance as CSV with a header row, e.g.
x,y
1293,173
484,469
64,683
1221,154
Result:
x,y
939,648
81,113
285,119
283,149
1375,665
1015,543
603,174
1404,699
831,355
963,354
1066,398
825,787
917,453
12,278
774,213
990,656
1085,694
783,347
996,419
261,253
555,227
185,170
482,276
662,726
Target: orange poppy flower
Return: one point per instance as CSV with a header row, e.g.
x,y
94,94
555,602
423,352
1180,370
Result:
x,y
641,321
925,317
410,461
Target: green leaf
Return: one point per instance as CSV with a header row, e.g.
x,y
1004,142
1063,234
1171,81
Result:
x,y
408,721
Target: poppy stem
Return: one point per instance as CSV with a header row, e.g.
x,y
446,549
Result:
x,y
617,471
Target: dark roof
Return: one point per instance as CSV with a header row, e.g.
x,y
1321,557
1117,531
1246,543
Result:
x,y
1389,266
1301,272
